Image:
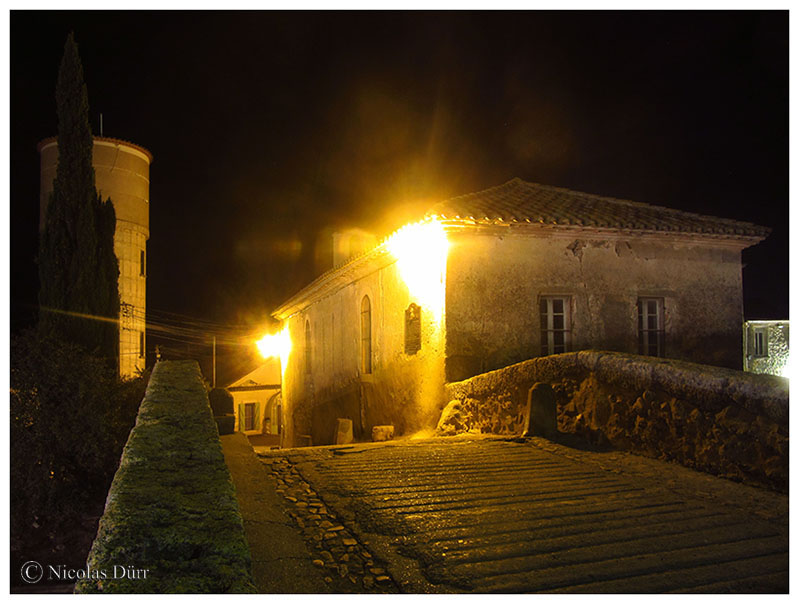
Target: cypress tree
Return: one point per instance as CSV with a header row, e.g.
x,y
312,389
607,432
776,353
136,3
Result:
x,y
78,270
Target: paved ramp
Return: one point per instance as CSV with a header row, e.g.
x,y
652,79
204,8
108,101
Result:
x,y
496,515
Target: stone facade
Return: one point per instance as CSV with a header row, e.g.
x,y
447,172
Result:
x,y
766,347
529,271
122,172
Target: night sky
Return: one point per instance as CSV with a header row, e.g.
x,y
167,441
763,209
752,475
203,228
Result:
x,y
272,129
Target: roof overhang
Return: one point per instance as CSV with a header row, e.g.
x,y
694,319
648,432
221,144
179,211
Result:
x,y
532,229
336,279
380,257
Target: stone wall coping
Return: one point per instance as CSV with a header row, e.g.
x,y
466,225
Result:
x,y
703,384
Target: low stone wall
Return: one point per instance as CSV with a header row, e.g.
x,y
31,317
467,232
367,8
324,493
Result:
x,y
729,423
171,522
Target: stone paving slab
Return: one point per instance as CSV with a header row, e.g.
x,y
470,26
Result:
x,y
281,563
490,514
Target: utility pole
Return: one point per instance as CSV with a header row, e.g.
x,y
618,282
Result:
x,y
214,362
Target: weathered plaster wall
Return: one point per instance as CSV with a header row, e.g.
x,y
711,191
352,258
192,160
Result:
x,y
172,507
404,390
494,282
722,421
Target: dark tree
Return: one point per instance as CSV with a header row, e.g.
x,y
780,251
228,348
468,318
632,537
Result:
x,y
78,271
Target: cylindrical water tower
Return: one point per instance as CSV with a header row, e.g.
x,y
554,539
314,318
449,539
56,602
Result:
x,y
122,173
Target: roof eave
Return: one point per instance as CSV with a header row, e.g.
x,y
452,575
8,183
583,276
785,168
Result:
x,y
334,279
379,256
740,240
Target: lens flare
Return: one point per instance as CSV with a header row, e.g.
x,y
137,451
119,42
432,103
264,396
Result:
x,y
276,345
421,253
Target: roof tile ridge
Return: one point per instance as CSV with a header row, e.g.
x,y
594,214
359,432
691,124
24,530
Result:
x,y
633,203
474,194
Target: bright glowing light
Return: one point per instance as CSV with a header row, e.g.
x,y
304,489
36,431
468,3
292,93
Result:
x,y
276,345
786,370
421,253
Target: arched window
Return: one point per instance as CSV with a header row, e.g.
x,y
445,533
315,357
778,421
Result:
x,y
366,336
308,347
413,329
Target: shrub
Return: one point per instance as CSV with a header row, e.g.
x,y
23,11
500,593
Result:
x,y
70,418
221,401
225,424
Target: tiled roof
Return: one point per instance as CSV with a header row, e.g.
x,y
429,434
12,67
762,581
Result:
x,y
518,201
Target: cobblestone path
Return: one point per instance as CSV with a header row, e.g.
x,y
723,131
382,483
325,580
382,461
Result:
x,y
504,515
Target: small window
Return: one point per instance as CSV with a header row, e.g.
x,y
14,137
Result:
x,y
413,340
141,344
321,331
308,347
366,336
249,416
760,343
141,262
651,326
554,323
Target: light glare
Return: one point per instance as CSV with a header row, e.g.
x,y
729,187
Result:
x,y
421,253
276,345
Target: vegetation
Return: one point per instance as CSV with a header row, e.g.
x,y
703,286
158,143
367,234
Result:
x,y
70,418
78,271
172,506
70,412
221,401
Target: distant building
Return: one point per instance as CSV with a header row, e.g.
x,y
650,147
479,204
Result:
x,y
122,173
766,347
495,277
256,400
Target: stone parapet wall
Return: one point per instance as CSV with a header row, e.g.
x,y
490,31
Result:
x,y
172,508
722,421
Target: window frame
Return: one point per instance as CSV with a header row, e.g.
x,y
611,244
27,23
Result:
x,y
547,324
307,348
764,348
249,405
412,336
643,335
366,335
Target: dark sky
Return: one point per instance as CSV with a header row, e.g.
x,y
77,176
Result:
x,y
271,129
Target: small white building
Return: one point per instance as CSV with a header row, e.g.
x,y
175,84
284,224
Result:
x,y
766,347
257,401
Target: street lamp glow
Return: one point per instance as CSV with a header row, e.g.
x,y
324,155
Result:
x,y
276,345
421,253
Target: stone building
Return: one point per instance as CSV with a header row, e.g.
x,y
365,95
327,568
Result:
x,y
766,347
492,278
122,173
